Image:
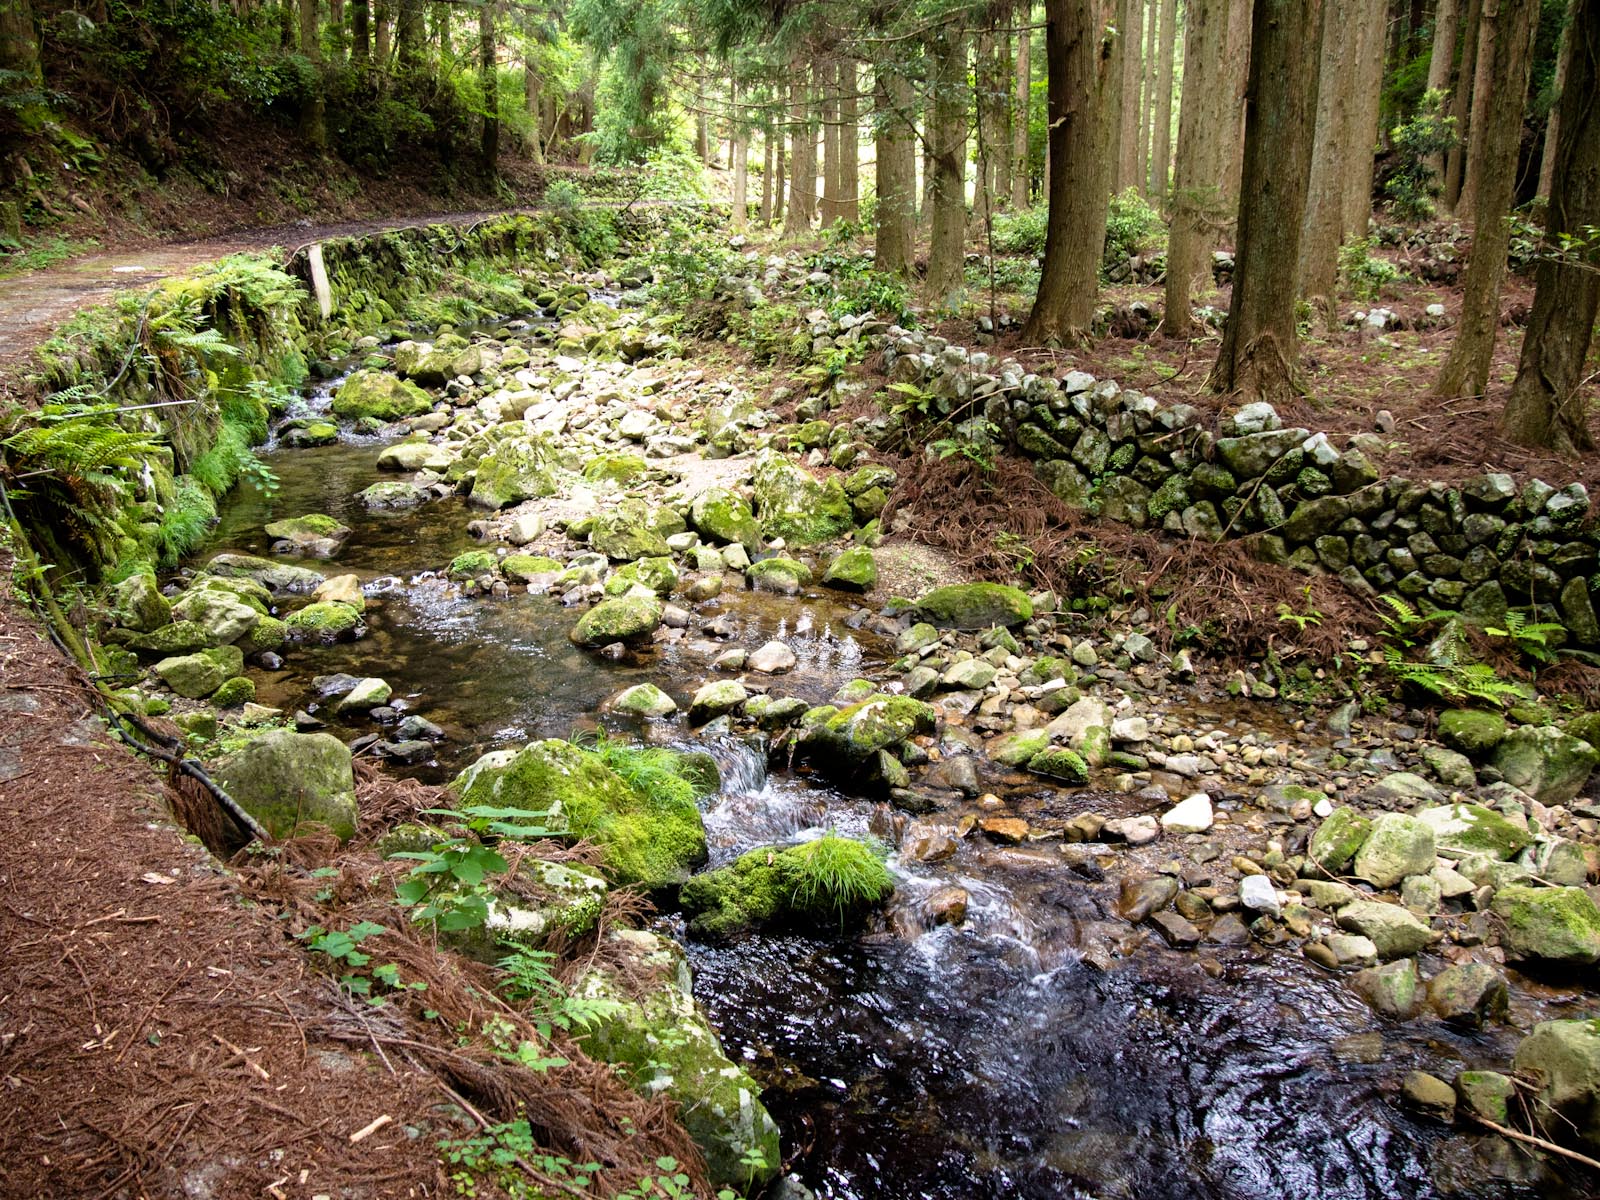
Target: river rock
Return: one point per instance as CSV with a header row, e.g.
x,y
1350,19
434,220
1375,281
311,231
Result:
x,y
1191,815
199,675
392,496
1469,994
1559,861
1429,1095
323,621
854,570
1463,829
657,1035
516,469
644,700
785,576
1179,932
831,881
342,589
1564,1058
1009,831
1393,930
1549,765
1351,950
366,695
314,535
1555,925
648,836
1136,831
925,841
947,906
1082,715
795,506
277,576
1473,732
414,456
1069,766
379,395
774,658
716,698
973,606
224,617
1336,841
1402,789
1258,895
1389,990
972,674
627,618
137,604
858,731
292,781
1397,846
720,515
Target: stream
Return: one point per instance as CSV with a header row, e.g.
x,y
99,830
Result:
x,y
987,1059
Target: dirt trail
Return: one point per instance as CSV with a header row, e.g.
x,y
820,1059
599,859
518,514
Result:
x,y
35,304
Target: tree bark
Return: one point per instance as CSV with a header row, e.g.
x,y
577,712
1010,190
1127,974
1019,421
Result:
x,y
1483,97
1441,63
1505,56
1205,117
739,152
1161,148
1334,154
895,146
1084,80
832,169
1546,406
1260,352
802,157
313,118
361,31
532,94
1147,103
947,141
849,141
19,40
1552,125
489,80
766,179
1236,71
1461,105
780,188
1366,68
408,35
381,39
1021,172
1129,30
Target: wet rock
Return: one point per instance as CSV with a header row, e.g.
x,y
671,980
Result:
x,y
290,782
1393,930
1228,930
277,576
1469,994
1564,1058
1072,725
1549,765
1557,925
785,576
1005,830
1136,831
1336,841
1485,1093
774,658
721,515
199,675
925,841
1180,933
137,604
1463,829
644,700
1069,767
412,456
795,506
858,731
1139,898
628,618
365,695
1397,846
1390,990
716,698
1016,749
341,589
392,496
947,906
974,606
854,570
1429,1095
415,728
1473,732
379,395
1192,815
323,621
1351,951
832,881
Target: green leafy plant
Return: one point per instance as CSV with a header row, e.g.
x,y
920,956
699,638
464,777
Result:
x,y
344,948
1538,640
1300,619
1418,143
1365,274
840,873
530,980
1131,226
446,884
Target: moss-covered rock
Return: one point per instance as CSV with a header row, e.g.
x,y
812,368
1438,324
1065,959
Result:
x,y
324,621
615,468
623,619
199,675
1462,829
180,637
1557,925
832,882
855,570
379,395
1473,732
525,568
644,700
275,576
654,839
716,698
975,606
786,576
719,515
291,782
392,496
224,617
1015,749
566,900
137,604
314,534
269,634
662,1043
657,574
1057,762
235,692
473,564
1334,844
628,531
517,469
1563,1057
858,731
1549,765
797,507
1396,846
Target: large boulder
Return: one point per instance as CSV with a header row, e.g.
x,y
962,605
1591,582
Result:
x,y
852,571
1564,1058
1395,931
858,731
1463,829
275,576
1337,839
720,515
137,604
828,883
623,619
650,1027
225,617
629,531
1553,925
1549,765
379,395
975,606
434,364
517,469
1472,731
1397,846
291,782
650,835
315,535
796,506
196,676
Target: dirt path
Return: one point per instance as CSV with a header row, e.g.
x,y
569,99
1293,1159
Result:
x,y
35,304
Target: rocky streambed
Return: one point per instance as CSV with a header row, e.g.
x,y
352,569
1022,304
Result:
x,y
1142,933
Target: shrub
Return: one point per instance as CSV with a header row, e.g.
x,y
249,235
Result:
x,y
1131,225
1414,184
1021,232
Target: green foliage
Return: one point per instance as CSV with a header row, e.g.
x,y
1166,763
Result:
x,y
505,1154
1365,274
838,873
655,772
1447,674
1021,232
187,519
1299,619
344,948
773,333
448,883
1417,141
1131,225
1538,640
530,981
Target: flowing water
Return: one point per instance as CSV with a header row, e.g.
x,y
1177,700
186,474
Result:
x,y
989,1060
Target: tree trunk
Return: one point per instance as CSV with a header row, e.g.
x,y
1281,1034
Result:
x,y
849,141
381,40
1490,24
1441,63
1552,125
1161,147
1505,54
1334,154
19,40
1461,105
1084,79
766,179
532,95
947,140
779,186
895,146
336,37
1205,117
1236,70
361,31
802,157
1260,353
1546,406
1366,69
313,117
988,95
1147,104
489,80
832,170
1127,142
408,35
1021,171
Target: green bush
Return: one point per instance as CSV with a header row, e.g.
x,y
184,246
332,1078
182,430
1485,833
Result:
x,y
1365,275
1022,232
1131,226
1414,184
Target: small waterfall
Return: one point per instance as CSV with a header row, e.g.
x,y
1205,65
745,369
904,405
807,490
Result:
x,y
742,763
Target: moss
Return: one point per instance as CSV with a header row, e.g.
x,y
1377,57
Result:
x,y
720,515
187,519
859,731
830,881
380,395
313,524
268,634
626,618
326,621
517,469
797,507
527,566
785,576
652,839
657,574
854,570
235,693
474,563
615,468
1060,763
975,606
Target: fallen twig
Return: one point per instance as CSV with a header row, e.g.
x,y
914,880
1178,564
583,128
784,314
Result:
x,y
1541,1143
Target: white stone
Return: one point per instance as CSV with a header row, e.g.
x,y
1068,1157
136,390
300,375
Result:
x,y
773,659
1191,815
1130,729
1323,808
526,528
1257,893
1070,726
